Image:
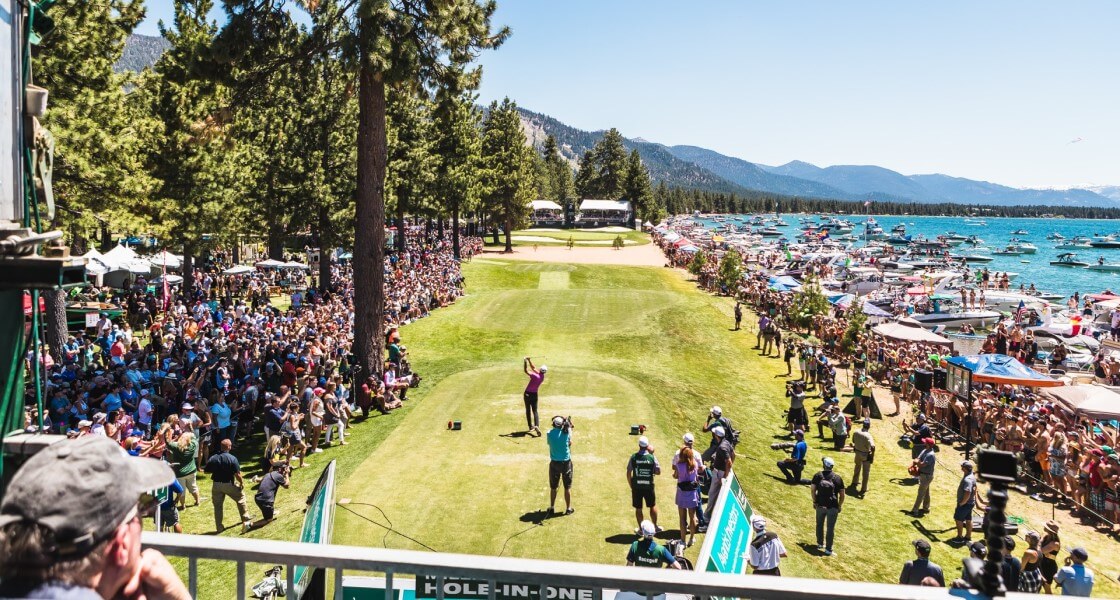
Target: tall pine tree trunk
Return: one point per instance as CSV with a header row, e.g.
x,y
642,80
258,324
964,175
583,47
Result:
x,y
440,220
55,321
106,237
188,277
455,227
275,241
325,283
509,236
369,226
401,227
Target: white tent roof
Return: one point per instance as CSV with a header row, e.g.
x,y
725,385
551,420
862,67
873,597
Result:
x,y
1092,401
545,205
116,257
604,205
238,270
295,265
166,259
270,264
901,331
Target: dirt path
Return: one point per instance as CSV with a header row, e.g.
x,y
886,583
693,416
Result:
x,y
647,255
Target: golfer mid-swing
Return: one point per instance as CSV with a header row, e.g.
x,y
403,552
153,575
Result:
x,y
536,378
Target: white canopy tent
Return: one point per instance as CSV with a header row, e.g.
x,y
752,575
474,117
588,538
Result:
x,y
295,265
1090,401
238,270
166,259
604,212
546,212
270,264
908,330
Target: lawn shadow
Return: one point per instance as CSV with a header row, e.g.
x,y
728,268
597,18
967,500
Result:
x,y
515,434
810,549
779,478
908,482
536,517
622,539
929,534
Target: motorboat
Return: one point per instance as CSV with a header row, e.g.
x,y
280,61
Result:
x,y
898,240
1108,241
900,228
1011,250
872,231
956,237
954,319
1020,232
770,232
974,241
1105,267
973,258
1067,259
1056,236
1024,247
1078,242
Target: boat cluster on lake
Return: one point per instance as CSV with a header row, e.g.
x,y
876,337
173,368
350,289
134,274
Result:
x,y
942,282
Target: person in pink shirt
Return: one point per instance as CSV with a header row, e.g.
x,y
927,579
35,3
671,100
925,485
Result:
x,y
536,378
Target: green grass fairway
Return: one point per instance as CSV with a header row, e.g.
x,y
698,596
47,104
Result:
x,y
602,237
624,345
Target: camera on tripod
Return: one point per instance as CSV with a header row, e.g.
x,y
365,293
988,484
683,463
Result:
x,y
999,469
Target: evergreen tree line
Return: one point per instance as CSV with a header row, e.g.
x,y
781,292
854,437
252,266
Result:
x,y
677,200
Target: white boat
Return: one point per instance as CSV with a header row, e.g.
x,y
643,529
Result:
x,y
1027,247
1077,243
1106,267
1067,260
975,318
1020,232
1055,236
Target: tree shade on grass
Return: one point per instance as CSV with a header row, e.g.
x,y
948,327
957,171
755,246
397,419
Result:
x,y
624,345
581,237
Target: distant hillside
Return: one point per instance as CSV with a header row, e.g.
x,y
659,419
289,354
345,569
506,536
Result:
x,y
662,165
141,52
751,176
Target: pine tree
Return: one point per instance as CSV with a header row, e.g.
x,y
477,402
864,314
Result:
x,y
611,163
97,128
586,176
559,173
192,154
507,169
411,173
457,150
638,191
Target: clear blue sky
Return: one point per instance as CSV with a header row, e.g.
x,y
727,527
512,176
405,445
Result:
x,y
993,90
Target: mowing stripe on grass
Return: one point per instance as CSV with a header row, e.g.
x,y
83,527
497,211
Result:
x,y
554,280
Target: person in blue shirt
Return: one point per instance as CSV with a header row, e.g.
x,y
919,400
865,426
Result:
x,y
220,412
1075,578
793,466
113,399
560,462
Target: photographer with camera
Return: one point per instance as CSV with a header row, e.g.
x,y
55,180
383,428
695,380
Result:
x,y
796,417
792,466
266,492
560,462
716,419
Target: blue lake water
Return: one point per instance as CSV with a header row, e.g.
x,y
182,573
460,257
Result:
x,y
997,235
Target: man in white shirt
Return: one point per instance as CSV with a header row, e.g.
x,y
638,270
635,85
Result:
x,y
765,551
144,411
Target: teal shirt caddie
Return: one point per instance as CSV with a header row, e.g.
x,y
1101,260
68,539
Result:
x,y
558,448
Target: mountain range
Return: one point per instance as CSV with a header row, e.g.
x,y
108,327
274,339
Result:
x,y
692,167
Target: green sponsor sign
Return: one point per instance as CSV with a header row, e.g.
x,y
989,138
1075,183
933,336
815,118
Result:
x,y
479,589
729,531
317,524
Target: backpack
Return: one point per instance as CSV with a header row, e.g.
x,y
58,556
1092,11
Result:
x,y
730,433
826,491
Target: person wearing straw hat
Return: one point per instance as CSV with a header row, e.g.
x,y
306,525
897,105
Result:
x,y
1048,550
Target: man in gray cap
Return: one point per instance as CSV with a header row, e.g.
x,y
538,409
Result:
x,y
966,503
864,446
70,525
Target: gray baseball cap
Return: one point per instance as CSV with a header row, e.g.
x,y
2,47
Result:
x,y
81,489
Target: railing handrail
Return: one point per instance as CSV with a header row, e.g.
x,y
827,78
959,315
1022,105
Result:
x,y
540,572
